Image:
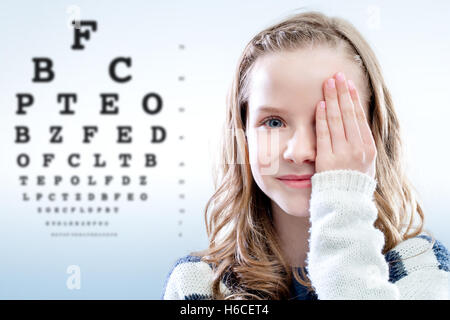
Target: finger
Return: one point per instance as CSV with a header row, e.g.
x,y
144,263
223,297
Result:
x,y
351,126
333,113
322,132
366,133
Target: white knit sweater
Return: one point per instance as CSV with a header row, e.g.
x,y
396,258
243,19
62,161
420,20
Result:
x,y
345,259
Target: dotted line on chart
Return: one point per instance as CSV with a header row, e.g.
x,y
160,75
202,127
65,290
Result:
x,y
181,164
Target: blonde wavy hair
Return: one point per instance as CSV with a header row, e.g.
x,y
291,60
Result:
x,y
242,238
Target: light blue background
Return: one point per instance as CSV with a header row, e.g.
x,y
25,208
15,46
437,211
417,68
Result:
x,y
413,48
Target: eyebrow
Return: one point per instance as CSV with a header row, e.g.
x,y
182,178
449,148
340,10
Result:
x,y
270,109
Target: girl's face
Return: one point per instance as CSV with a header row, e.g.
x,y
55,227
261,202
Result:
x,y
282,140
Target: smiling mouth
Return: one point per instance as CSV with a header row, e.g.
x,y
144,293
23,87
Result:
x,y
297,183
296,177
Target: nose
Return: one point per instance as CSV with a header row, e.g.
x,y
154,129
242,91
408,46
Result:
x,y
301,146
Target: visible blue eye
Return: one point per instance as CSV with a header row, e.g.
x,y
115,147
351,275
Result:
x,y
273,121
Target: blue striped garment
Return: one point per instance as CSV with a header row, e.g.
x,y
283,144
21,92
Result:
x,y
397,271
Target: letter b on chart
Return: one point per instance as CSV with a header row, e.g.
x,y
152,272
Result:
x,y
74,280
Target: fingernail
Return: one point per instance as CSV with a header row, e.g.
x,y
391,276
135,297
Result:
x,y
340,76
322,104
351,85
330,83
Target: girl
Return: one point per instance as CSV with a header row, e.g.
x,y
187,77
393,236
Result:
x,y
313,201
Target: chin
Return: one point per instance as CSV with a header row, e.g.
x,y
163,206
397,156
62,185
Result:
x,y
299,214
295,206
297,210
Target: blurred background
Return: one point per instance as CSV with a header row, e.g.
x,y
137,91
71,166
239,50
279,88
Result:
x,y
186,52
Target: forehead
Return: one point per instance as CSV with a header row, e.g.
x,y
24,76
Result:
x,y
295,78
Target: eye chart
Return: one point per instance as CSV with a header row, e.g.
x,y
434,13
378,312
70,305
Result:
x,y
105,154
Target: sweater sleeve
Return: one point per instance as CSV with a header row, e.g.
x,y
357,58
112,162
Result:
x,y
345,259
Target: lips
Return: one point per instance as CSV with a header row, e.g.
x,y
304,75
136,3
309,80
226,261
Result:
x,y
296,182
293,177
